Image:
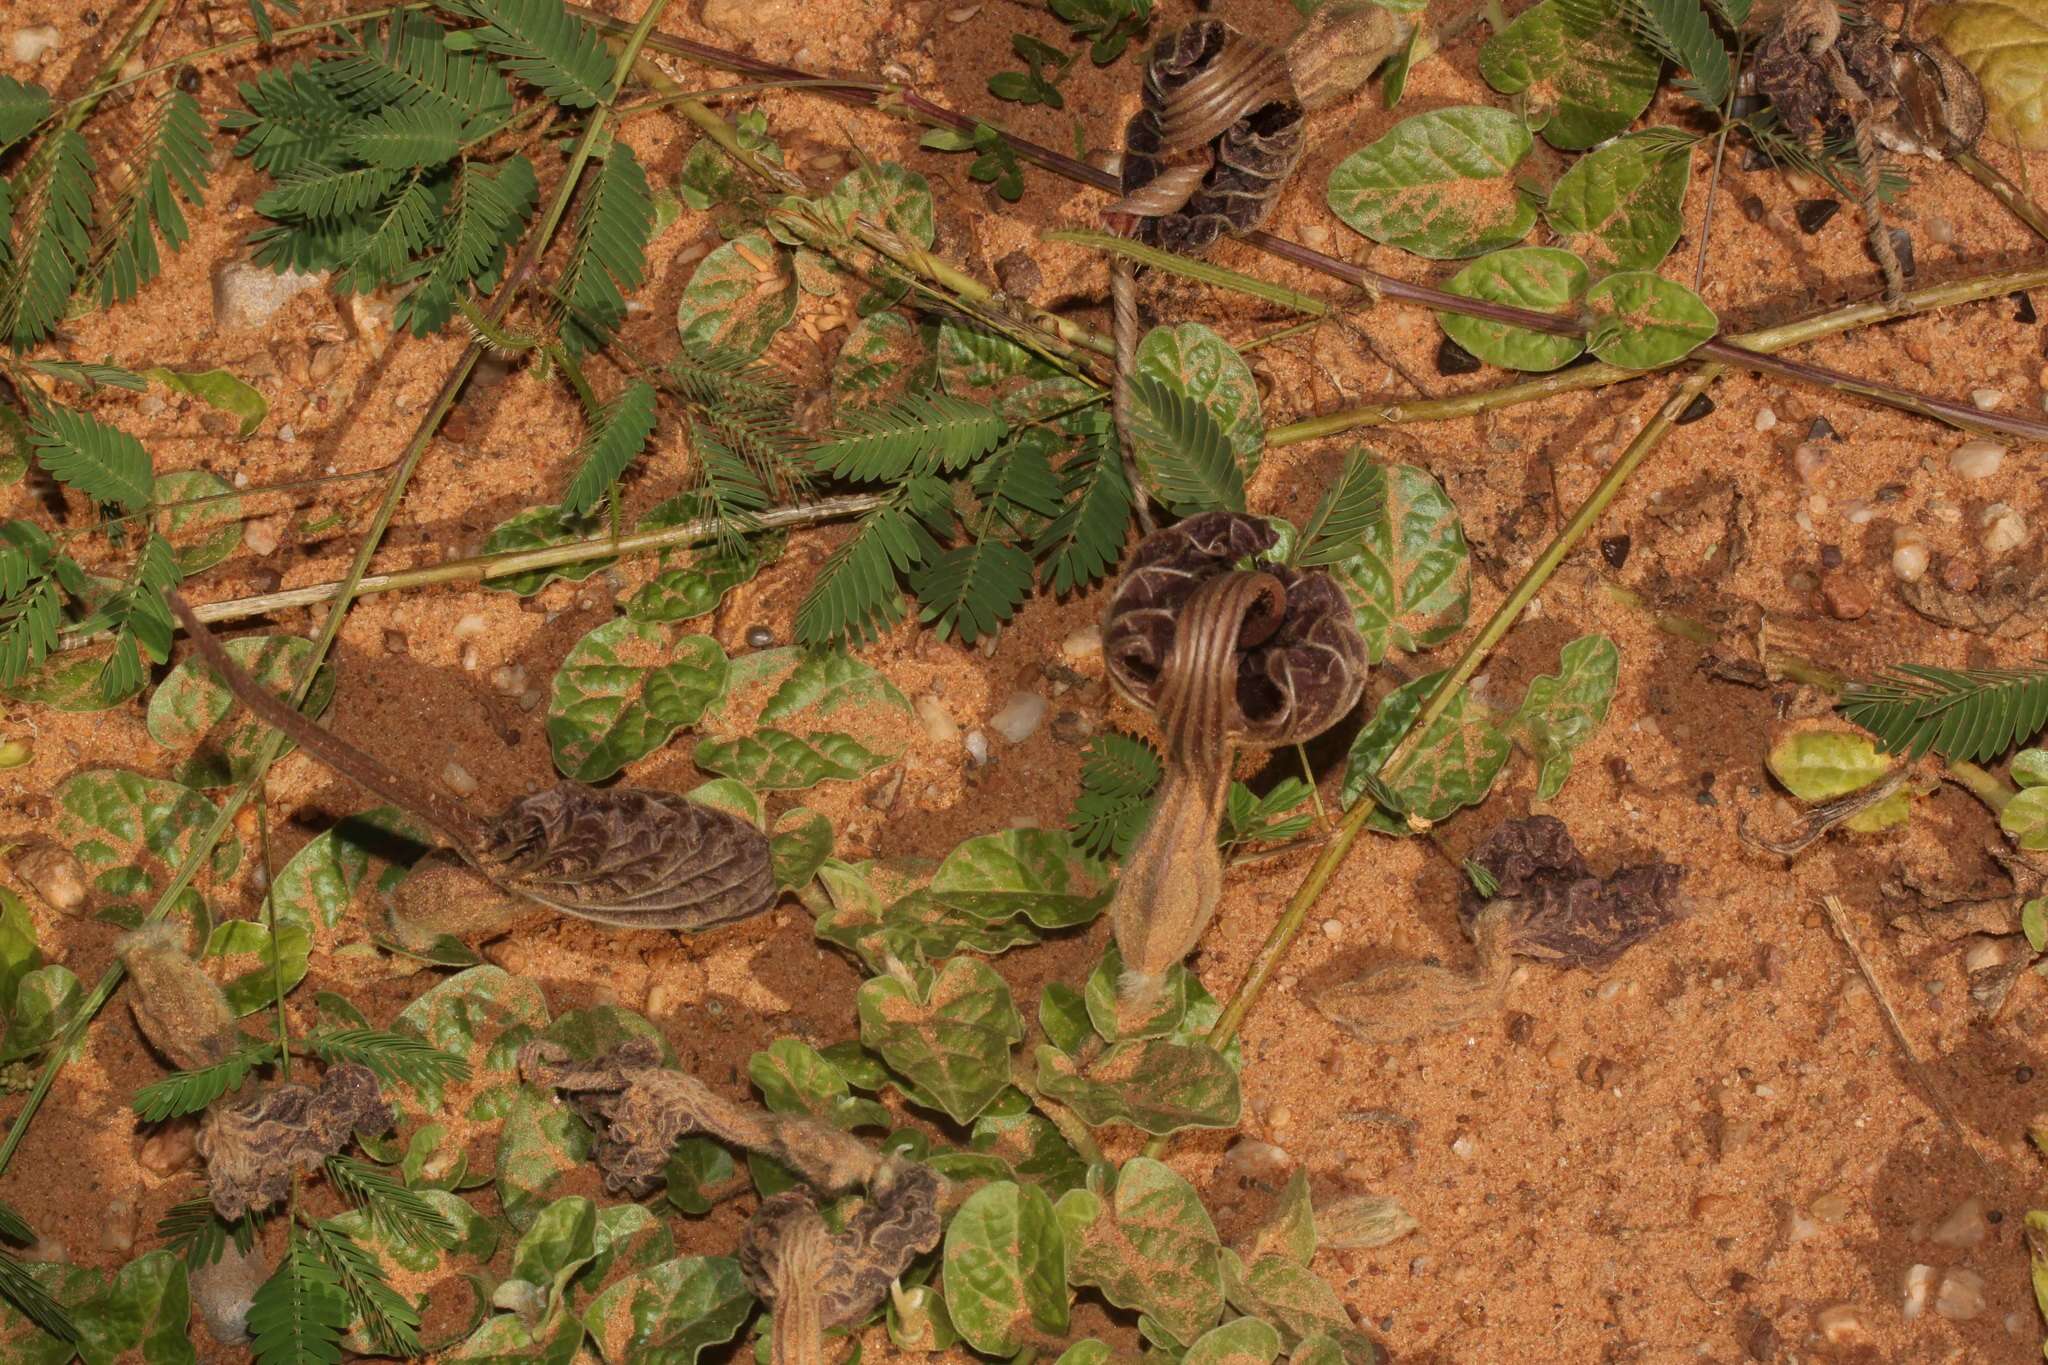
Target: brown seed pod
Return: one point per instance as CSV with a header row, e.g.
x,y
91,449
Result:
x,y
178,1007
1223,655
622,856
1941,106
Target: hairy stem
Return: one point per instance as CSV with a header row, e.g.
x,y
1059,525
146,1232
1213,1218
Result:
x,y
2007,193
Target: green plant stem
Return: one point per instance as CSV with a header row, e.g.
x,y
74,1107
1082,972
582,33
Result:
x,y
485,568
266,753
284,1031
1193,268
1987,786
1767,339
77,111
2007,193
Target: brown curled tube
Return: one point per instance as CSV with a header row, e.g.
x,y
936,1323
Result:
x,y
1224,650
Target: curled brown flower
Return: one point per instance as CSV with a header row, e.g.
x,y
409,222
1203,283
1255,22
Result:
x,y
253,1145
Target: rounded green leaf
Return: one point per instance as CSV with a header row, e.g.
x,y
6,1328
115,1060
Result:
x,y
2034,923
2030,768
1454,764
144,1310
131,831
685,594
952,1041
1541,279
888,196
624,689
481,1015
1193,360
541,1151
1642,320
669,1314
1155,1086
19,954
1820,765
1005,1268
262,967
1439,184
916,930
1112,1017
2025,818
1562,709
883,356
45,999
2005,45
975,361
1622,207
205,533
1406,569
1297,1301
1152,1248
775,760
1587,75
738,298
799,845
190,705
1036,873
322,879
825,684
534,529
1241,1341
1063,1017
699,1172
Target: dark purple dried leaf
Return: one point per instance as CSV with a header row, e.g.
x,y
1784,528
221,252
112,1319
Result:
x,y
1558,909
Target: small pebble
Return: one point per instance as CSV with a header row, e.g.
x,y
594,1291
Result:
x,y
1941,230
1019,274
1965,1227
1699,407
46,1251
458,780
1071,727
1085,643
118,1225
2024,314
1843,1324
937,724
324,363
1251,1159
1858,512
1464,1147
1765,419
54,874
468,657
1020,717
1831,556
1614,549
1909,558
170,1151
260,536
395,642
1845,596
471,624
27,45
1961,1296
1815,214
509,679
1832,1207
1959,575
1915,1289
1808,460
1608,990
1821,429
1333,928
759,637
977,746
1977,458
1451,358
1902,247
1280,1117
2004,529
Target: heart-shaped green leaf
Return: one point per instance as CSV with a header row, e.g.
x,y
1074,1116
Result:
x,y
131,831
795,1078
1541,279
799,845
1622,207
45,999
1005,1268
1587,75
916,930
1151,1248
1241,1341
481,1015
208,527
826,683
738,298
670,1314
1296,1300
145,1310
1642,320
1454,764
699,1171
883,357
190,705
322,879
267,968
952,1041
534,529
542,1149
624,689
1439,184
1820,765
775,760
1155,1085
1036,873
1407,569
1562,709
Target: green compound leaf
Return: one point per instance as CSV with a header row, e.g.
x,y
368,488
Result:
x,y
1036,873
1562,709
323,879
201,536
272,965
738,298
1622,207
126,829
1588,74
1439,184
1193,360
1151,1248
1156,1086
1005,1268
534,529
1407,570
953,1041
220,390
1182,452
1541,279
1820,765
624,689
884,356
1642,320
669,1314
1453,766
775,760
190,705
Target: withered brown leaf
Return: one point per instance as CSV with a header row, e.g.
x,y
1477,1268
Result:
x,y
1558,910
254,1144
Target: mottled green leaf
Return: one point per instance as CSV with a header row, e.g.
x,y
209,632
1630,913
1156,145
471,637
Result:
x,y
799,845
738,298
1439,184
952,1041
1409,575
1294,1299
1193,360
1005,1268
1036,873
537,528
541,1149
825,683
1622,207
883,357
221,390
698,1171
322,879
1241,1341
1562,709
1642,320
775,760
1155,1085
270,965
45,999
669,1314
1541,279
206,532
624,689
131,831
1586,74
144,1310
2029,768
1454,765
1151,1248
